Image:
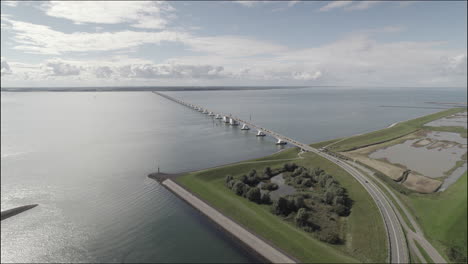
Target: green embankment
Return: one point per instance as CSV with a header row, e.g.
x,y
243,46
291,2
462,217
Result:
x,y
386,134
365,238
442,216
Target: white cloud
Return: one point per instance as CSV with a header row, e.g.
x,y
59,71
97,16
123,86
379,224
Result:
x,y
307,76
5,67
172,71
363,5
103,72
455,65
247,3
293,2
141,14
349,5
10,3
334,5
232,46
57,67
42,39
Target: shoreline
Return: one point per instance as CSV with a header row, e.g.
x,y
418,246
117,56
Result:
x,y
169,179
257,246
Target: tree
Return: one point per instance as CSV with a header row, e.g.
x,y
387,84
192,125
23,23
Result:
x,y
238,188
329,236
246,190
299,202
323,179
301,217
328,197
244,178
228,178
340,209
307,183
291,205
297,171
298,180
254,195
266,198
280,206
318,171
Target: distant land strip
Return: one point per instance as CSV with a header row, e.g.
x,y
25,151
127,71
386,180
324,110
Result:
x,y
424,107
145,88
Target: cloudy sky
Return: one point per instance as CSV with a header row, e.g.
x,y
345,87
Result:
x,y
351,43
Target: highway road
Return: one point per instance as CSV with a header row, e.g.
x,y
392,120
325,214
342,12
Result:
x,y
398,248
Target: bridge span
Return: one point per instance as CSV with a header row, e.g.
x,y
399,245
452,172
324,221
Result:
x,y
281,139
397,246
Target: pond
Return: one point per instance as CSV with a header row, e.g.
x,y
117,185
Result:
x,y
458,119
283,188
430,156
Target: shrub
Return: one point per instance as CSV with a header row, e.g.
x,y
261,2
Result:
x,y
244,179
328,197
307,183
267,171
228,179
254,195
252,173
238,187
329,236
298,171
246,190
289,166
340,209
266,198
301,217
298,180
280,206
298,202
271,186
456,255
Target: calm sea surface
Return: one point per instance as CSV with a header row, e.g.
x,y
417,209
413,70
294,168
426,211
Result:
x,y
84,157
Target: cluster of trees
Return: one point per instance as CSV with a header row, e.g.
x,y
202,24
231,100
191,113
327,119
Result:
x,y
294,207
332,192
252,193
314,207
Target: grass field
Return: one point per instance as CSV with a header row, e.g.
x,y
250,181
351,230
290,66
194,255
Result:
x,y
442,216
365,234
399,130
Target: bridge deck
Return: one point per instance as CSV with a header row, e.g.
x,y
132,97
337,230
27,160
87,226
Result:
x,y
293,142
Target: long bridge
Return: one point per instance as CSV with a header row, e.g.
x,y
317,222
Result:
x,y
235,121
397,245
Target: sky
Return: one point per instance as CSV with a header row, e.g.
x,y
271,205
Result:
x,y
234,43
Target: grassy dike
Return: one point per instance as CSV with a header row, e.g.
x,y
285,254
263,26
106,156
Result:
x,y
387,134
442,216
365,234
